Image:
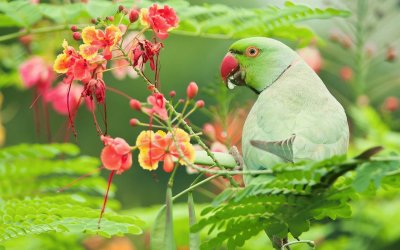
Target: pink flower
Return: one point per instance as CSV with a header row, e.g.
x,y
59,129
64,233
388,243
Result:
x,y
312,57
58,97
116,154
36,72
161,20
157,101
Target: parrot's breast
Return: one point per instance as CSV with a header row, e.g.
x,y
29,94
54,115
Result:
x,y
299,104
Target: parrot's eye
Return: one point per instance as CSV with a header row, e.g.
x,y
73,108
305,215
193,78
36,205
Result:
x,y
252,51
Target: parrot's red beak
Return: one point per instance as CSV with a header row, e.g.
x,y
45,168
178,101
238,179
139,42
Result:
x,y
229,66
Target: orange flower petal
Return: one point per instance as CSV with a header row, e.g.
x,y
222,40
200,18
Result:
x,y
89,34
181,135
144,139
189,153
113,33
88,51
144,17
145,162
61,64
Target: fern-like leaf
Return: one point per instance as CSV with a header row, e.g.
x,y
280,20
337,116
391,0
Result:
x,y
295,196
63,213
210,20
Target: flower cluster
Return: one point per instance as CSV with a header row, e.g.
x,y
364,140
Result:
x,y
161,20
167,147
85,66
99,46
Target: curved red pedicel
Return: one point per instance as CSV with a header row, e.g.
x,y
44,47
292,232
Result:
x,y
105,197
229,64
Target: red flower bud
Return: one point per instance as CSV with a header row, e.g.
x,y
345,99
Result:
x,y
169,164
133,15
192,90
77,36
135,104
200,104
26,40
391,54
121,8
346,73
150,87
110,18
94,21
391,103
133,122
74,28
172,94
181,101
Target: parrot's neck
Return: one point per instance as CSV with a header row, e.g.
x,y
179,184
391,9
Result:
x,y
295,62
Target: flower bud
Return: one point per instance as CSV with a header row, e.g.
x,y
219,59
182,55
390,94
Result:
x,y
181,100
169,164
150,87
26,39
192,90
133,122
391,103
133,15
391,54
135,104
93,20
172,94
110,18
200,104
121,8
346,73
77,36
74,28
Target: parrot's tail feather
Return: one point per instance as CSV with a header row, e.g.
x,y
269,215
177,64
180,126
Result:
x,y
282,149
369,153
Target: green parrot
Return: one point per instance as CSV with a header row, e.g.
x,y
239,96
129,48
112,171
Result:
x,y
295,117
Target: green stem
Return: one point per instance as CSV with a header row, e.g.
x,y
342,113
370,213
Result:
x,y
194,186
33,31
171,178
308,242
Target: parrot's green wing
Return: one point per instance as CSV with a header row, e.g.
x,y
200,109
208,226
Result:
x,y
283,149
299,104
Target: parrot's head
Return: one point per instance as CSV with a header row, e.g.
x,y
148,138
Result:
x,y
256,62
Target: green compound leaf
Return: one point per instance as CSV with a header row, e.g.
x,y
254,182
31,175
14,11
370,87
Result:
x,y
297,195
208,20
23,13
30,204
29,216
